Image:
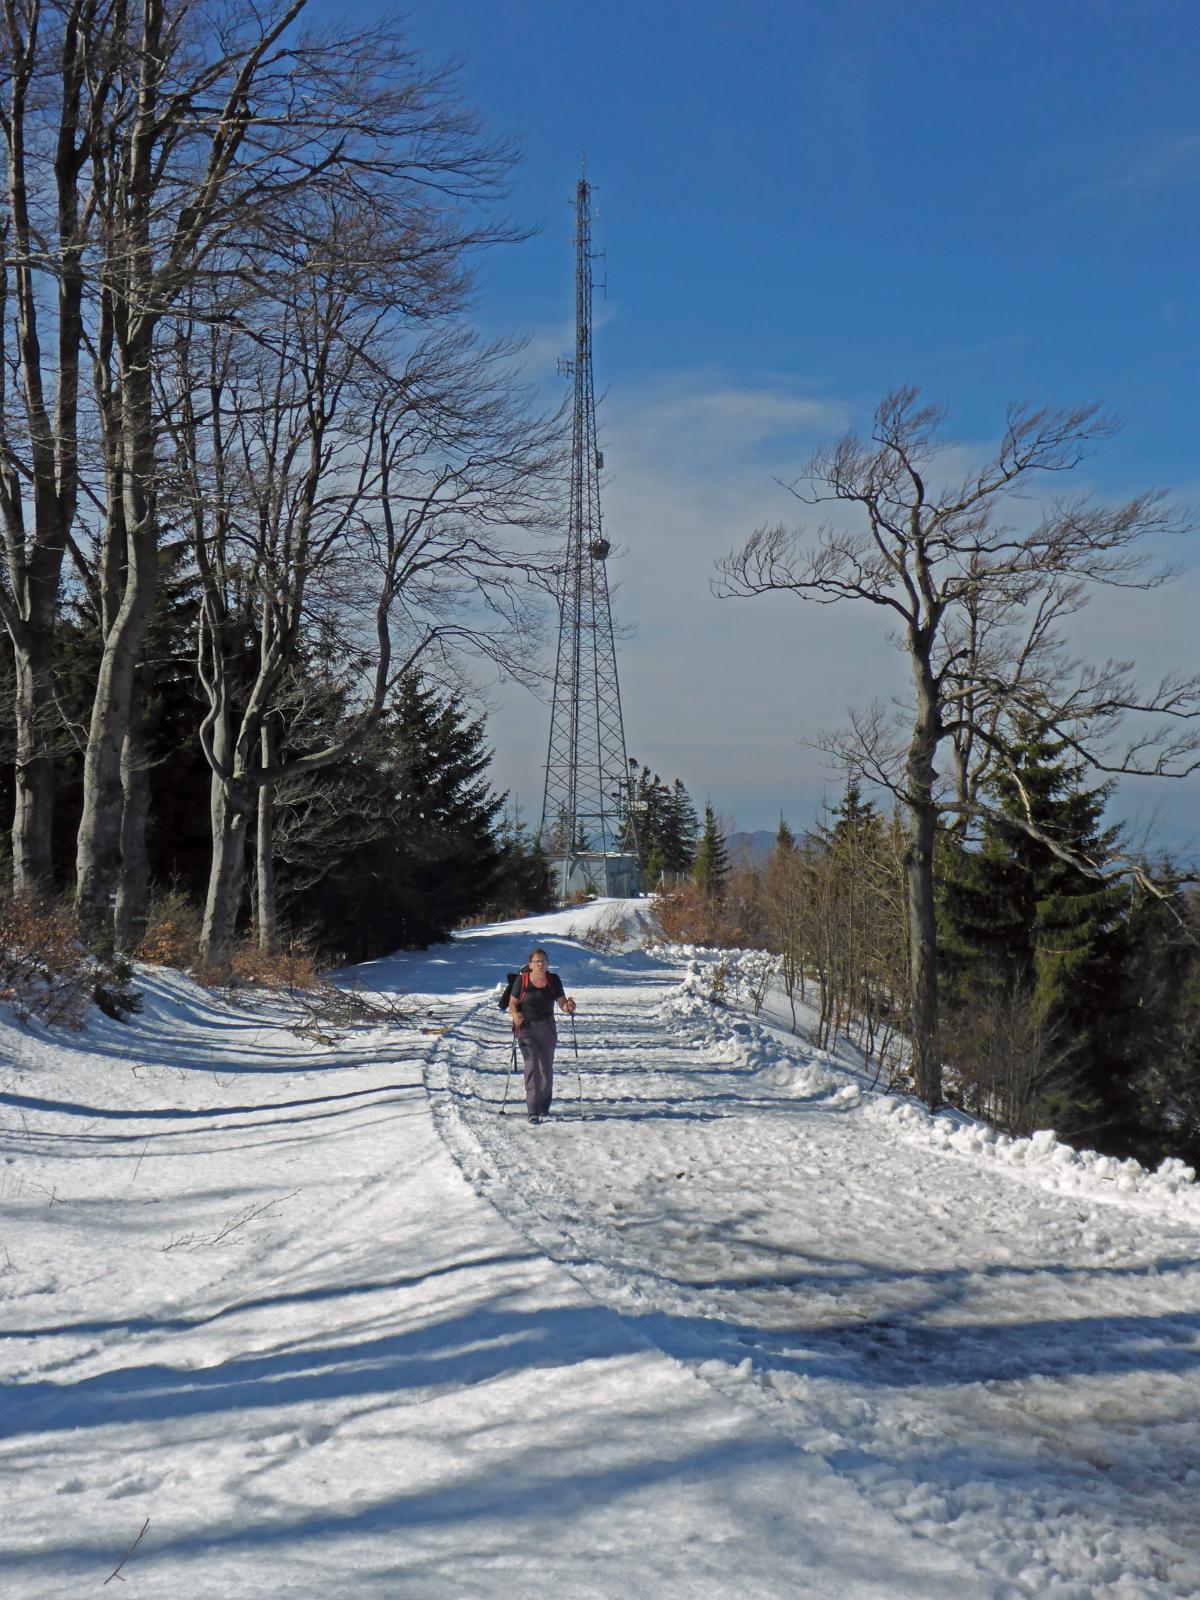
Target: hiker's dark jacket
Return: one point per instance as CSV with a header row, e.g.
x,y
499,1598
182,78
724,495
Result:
x,y
537,1005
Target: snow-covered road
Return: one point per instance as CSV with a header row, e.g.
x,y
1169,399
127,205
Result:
x,y
729,1324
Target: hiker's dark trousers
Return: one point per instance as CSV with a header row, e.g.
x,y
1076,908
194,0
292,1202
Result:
x,y
537,1041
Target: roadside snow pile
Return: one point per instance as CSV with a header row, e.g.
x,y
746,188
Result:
x,y
1172,1187
740,1041
733,977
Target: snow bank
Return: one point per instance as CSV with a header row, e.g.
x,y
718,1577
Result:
x,y
733,977
1171,1187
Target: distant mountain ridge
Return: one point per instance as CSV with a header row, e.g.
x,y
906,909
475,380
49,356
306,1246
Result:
x,y
751,847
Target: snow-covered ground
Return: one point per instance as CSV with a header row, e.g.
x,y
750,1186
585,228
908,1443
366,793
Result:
x,y
729,1324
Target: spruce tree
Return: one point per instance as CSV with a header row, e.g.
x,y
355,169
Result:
x,y
524,882
437,859
853,815
681,826
711,867
1159,1018
666,826
1023,928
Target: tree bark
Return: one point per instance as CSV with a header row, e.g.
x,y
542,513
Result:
x,y
98,862
133,891
920,776
131,522
267,906
42,483
34,788
233,807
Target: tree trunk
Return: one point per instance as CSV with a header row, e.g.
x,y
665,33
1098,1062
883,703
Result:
x,y
267,917
233,805
98,849
34,775
41,429
133,891
920,776
918,885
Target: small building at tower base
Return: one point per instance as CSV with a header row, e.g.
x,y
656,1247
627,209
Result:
x,y
594,872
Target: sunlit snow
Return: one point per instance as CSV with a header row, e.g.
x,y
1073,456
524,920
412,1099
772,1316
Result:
x,y
731,1323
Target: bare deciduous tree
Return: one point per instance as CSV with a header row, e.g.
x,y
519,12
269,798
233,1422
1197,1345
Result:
x,y
976,601
54,102
234,131
349,485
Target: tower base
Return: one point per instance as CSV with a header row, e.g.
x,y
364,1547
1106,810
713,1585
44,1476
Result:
x,y
593,872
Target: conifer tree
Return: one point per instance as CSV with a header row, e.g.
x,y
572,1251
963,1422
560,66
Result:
x,y
1028,930
853,815
1160,1021
524,882
438,858
666,826
711,866
680,829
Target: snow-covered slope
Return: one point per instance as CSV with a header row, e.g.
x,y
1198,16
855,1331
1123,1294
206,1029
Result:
x,y
729,1324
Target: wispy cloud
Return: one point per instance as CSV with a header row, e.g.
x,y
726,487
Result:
x,y
1168,165
718,693
711,427
544,346
727,694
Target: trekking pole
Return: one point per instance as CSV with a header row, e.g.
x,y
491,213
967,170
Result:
x,y
512,1067
578,1074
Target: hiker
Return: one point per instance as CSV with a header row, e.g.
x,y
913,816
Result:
x,y
531,1006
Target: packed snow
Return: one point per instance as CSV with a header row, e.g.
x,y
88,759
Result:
x,y
306,1313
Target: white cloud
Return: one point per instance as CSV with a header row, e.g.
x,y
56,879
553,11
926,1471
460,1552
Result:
x,y
719,693
724,694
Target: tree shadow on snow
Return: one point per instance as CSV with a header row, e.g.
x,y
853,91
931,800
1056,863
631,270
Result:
x,y
293,1297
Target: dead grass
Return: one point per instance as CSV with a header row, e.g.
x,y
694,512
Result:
x,y
292,969
607,932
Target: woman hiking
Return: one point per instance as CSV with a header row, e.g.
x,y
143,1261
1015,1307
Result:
x,y
531,1007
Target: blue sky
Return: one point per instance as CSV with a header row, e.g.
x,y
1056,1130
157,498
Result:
x,y
802,205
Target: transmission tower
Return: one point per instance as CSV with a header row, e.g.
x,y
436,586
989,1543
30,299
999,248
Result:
x,y
587,826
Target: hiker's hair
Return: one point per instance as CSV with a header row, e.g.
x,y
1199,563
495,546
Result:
x,y
537,952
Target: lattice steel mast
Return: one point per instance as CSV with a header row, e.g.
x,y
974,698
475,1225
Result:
x,y
586,827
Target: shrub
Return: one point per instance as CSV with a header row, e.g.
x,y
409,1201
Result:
x,y
45,971
113,992
293,968
172,936
687,915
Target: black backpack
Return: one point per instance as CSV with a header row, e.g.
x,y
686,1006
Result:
x,y
523,975
521,979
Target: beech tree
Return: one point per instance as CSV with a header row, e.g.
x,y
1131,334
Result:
x,y
154,149
55,101
976,599
341,488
